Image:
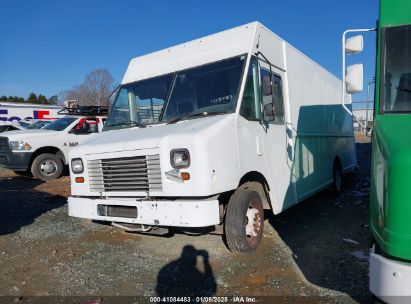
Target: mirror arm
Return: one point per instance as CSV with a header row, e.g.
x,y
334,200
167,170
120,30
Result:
x,y
262,120
271,83
258,53
262,55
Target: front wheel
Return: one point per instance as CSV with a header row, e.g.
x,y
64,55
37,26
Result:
x,y
244,221
47,166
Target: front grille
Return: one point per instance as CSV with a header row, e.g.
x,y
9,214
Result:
x,y
4,144
137,174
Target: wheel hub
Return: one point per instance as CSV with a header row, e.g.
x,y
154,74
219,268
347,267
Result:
x,y
48,167
253,222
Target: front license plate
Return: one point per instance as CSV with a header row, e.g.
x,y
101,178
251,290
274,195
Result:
x,y
117,211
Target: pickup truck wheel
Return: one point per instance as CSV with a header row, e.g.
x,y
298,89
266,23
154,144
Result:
x,y
47,166
244,221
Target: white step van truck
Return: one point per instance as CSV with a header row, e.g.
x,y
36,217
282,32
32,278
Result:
x,y
213,131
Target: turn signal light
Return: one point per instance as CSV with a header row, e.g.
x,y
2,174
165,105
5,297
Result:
x,y
185,176
79,180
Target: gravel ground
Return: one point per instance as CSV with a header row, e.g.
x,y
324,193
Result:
x,y
314,252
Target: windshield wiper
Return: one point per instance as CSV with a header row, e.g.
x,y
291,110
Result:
x,y
128,122
199,114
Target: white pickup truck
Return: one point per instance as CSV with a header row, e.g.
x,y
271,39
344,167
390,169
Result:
x,y
44,152
23,124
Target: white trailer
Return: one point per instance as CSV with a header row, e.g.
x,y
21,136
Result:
x,y
246,122
11,111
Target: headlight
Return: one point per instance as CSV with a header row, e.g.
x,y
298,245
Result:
x,y
77,165
20,146
180,158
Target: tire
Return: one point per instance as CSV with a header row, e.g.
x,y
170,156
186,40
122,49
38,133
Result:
x,y
259,188
337,178
241,235
47,166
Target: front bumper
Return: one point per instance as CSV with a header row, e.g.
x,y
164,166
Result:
x,y
390,280
18,161
167,213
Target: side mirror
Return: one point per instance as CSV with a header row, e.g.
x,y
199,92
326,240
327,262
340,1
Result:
x,y
354,78
267,88
269,111
354,45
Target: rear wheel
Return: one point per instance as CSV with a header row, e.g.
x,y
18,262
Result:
x,y
337,177
47,166
244,221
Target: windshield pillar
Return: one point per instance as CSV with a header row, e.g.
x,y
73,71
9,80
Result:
x,y
132,106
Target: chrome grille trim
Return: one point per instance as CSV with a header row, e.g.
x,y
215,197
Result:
x,y
135,174
4,145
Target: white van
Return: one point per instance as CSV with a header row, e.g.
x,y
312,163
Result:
x,y
212,131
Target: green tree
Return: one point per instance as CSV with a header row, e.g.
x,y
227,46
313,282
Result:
x,y
15,99
42,99
32,98
53,100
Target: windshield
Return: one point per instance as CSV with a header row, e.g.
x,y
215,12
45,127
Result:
x,y
60,124
24,124
38,124
395,93
211,88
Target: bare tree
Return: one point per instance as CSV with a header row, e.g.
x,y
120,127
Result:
x,y
99,84
95,89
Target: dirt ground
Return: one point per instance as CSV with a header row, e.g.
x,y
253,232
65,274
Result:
x,y
315,252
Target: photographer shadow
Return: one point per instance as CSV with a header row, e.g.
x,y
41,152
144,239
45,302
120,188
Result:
x,y
182,277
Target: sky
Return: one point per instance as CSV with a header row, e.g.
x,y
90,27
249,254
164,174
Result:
x,y
48,46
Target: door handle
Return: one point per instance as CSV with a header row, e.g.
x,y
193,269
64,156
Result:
x,y
289,143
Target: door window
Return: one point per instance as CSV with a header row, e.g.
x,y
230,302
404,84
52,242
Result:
x,y
86,126
267,95
272,97
395,87
278,99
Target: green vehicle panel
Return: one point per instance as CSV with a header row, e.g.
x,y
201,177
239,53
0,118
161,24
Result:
x,y
390,202
394,12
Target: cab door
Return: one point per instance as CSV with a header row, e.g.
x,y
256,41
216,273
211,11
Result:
x,y
264,145
277,136
85,129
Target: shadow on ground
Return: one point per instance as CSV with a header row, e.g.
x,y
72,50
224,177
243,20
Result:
x,y
315,231
21,203
190,275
